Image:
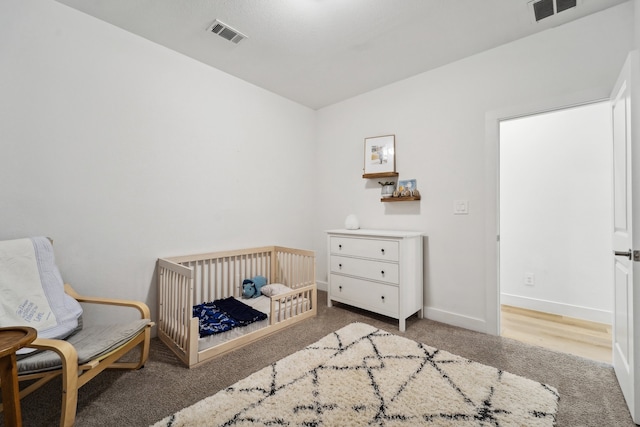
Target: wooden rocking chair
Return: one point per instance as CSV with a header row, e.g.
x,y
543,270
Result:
x,y
85,353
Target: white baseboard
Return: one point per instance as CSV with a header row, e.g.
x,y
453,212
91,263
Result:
x,y
569,310
455,319
322,285
442,316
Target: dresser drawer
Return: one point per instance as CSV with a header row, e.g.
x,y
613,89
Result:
x,y
366,248
376,297
366,268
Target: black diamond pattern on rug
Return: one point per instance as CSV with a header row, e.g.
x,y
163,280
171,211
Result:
x,y
360,375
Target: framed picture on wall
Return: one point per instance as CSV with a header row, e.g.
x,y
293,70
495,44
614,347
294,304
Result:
x,y
380,155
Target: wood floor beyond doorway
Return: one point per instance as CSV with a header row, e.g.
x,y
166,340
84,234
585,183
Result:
x,y
574,336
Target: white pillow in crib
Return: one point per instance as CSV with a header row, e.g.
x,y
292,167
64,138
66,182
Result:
x,y
274,289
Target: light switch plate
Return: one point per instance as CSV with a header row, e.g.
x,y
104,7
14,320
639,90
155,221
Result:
x,y
461,207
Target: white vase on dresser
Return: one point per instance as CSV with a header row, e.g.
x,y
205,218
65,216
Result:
x,y
377,270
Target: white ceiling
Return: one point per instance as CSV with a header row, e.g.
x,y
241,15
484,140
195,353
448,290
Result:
x,y
319,52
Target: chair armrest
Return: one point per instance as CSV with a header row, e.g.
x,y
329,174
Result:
x,y
140,306
66,351
69,376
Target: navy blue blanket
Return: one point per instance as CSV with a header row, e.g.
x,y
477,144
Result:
x,y
224,314
239,311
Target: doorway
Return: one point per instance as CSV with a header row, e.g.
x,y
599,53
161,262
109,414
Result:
x,y
555,193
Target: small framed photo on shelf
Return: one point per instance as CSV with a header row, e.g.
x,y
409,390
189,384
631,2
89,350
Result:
x,y
380,154
407,187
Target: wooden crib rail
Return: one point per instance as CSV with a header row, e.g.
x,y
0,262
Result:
x,y
166,264
220,254
220,274
174,304
294,303
293,267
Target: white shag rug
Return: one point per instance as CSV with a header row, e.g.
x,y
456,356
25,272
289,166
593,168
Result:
x,y
364,376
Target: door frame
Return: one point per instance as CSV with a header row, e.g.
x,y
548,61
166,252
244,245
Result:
x,y
492,185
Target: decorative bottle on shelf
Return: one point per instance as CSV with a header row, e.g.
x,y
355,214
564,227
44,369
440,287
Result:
x,y
387,188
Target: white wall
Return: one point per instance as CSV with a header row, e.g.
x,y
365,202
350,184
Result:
x,y
438,118
636,5
555,212
124,151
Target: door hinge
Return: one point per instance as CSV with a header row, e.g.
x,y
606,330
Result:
x,y
630,254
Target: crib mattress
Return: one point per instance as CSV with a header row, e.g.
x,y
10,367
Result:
x,y
263,304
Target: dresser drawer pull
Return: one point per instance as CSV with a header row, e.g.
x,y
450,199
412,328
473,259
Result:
x,y
340,266
339,246
382,272
382,298
340,287
382,250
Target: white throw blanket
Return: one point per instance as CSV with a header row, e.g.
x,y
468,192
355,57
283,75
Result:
x,y
32,290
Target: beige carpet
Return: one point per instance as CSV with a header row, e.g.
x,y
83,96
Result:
x,y
590,395
362,375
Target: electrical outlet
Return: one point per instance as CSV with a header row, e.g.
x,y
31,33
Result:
x,y
529,279
460,207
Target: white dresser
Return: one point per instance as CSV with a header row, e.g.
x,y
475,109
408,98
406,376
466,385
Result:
x,y
377,270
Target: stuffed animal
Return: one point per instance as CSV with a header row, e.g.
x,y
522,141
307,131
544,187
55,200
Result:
x,y
251,287
259,282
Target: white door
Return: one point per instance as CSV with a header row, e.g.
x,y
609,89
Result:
x,y
626,189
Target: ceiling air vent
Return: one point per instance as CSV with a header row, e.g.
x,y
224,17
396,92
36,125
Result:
x,y
562,5
545,8
226,32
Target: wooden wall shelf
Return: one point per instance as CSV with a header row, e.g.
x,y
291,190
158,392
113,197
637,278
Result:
x,y
380,175
400,199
